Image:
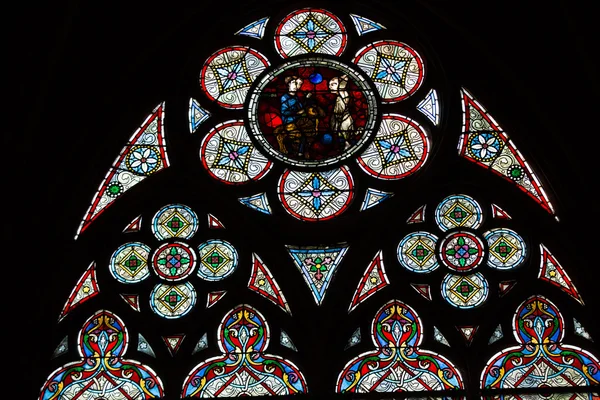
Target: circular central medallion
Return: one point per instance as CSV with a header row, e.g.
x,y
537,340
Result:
x,y
461,251
312,112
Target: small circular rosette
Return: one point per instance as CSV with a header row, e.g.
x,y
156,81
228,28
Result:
x,y
173,301
174,261
416,252
465,291
218,260
461,251
129,263
507,249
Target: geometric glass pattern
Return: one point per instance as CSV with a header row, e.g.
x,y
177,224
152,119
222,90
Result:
x,y
134,226
213,297
354,339
174,261
196,115
285,340
254,29
430,107
551,271
258,202
310,30
496,335
374,197
373,280
262,282
201,345
468,333
172,301
144,347
174,221
399,149
461,251
580,330
418,216
499,213
423,289
214,223
439,337
85,289
364,25
416,252
458,211
218,259
173,342
466,291
485,143
396,69
507,248
129,263
505,286
133,300
62,347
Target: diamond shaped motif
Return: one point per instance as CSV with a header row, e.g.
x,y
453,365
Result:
x,y
502,249
310,34
391,69
458,214
133,262
175,224
420,252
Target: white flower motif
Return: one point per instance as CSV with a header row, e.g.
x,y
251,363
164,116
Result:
x,y
485,145
144,160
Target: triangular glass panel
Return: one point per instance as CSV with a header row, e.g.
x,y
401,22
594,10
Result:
x,y
214,223
423,289
355,339
173,342
257,202
262,282
438,337
430,107
85,289
364,25
196,115
62,347
213,297
499,213
468,332
201,345
505,286
134,226
284,340
318,265
133,300
580,330
551,271
418,216
485,143
373,280
144,347
496,335
255,29
373,197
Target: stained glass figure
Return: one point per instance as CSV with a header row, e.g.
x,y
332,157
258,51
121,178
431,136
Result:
x,y
439,337
173,342
465,291
144,347
374,197
507,248
551,271
396,68
258,202
458,211
129,263
430,107
397,333
228,74
262,282
316,196
499,213
244,369
540,359
399,149
174,221
201,344
313,112
218,259
144,155
355,339
174,261
484,142
196,115
364,25
134,226
214,222
62,347
310,30
173,301
468,333
132,300
318,265
84,290
102,343
496,335
423,289
229,155
213,297
373,280
416,252
580,330
418,216
461,251
285,340
254,29
505,286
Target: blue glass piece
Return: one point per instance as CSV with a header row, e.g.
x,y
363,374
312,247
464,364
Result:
x,y
197,115
373,197
255,29
364,25
257,202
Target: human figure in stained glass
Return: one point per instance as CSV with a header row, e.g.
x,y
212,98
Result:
x,y
291,106
341,120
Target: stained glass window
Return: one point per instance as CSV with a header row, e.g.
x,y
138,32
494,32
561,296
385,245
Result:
x,y
288,215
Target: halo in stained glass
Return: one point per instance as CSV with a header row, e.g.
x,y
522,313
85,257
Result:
x,y
310,30
174,261
174,221
316,196
416,252
218,260
129,263
396,68
507,249
312,112
228,74
229,156
172,301
458,211
465,291
399,148
461,251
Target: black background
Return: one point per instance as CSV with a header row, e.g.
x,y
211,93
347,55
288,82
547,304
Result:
x,y
86,75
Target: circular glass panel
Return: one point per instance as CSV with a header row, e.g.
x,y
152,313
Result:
x,y
218,260
461,251
174,261
129,263
458,211
174,221
416,252
507,248
467,291
172,301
